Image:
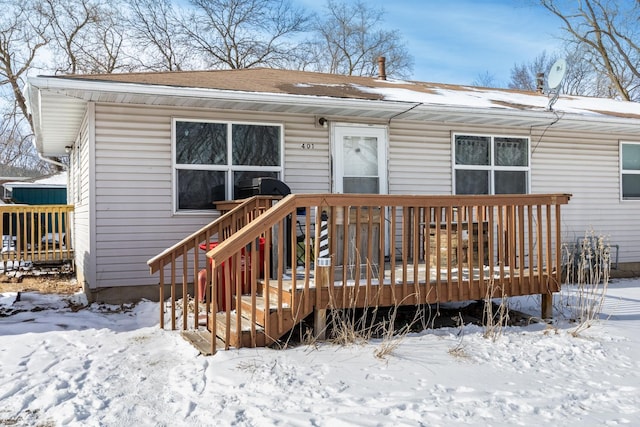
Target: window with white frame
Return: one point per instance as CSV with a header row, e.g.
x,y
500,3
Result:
x,y
211,158
630,170
485,164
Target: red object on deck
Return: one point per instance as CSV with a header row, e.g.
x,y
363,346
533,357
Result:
x,y
202,281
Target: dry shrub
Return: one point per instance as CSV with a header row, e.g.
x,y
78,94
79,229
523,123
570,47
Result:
x,y
459,350
309,339
587,280
495,320
358,326
349,326
392,337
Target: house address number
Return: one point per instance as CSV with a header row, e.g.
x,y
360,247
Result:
x,y
307,146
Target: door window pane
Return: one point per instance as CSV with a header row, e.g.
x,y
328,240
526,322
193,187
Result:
x,y
366,185
511,182
256,145
472,182
360,156
198,189
472,150
201,143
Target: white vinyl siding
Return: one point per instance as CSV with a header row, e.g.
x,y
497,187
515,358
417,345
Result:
x,y
419,158
134,216
587,166
306,161
132,182
79,196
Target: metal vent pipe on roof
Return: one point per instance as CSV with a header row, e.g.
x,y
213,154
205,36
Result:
x,y
382,73
540,82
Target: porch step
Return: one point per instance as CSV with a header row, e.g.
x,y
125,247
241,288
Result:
x,y
287,284
261,307
274,292
287,287
246,331
201,340
277,326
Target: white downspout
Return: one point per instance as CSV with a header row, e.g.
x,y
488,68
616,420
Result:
x,y
53,162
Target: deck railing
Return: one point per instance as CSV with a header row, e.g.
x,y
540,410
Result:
x,y
375,250
36,233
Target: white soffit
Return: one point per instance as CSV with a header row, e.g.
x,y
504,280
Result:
x,y
58,122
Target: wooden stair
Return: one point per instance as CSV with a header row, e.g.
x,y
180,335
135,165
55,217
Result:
x,y
268,325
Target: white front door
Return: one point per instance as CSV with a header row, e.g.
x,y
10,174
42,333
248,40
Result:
x,y
360,159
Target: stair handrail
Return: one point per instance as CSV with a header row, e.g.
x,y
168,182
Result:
x,y
189,242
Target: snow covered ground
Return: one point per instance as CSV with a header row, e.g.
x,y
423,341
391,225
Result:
x,y
113,366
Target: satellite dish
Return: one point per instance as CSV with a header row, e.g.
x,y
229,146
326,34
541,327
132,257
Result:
x,y
556,74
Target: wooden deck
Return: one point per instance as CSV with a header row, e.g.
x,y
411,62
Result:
x,y
352,294
365,251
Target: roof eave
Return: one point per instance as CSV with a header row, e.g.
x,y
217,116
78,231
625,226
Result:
x,y
386,110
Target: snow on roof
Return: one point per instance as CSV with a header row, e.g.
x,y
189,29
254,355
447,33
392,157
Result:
x,y
466,96
304,83
55,180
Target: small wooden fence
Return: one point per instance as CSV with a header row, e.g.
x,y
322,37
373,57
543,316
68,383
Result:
x,y
274,265
36,233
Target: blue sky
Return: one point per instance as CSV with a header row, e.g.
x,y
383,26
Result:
x,y
456,41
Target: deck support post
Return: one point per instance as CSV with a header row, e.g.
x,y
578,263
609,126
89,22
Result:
x,y
546,306
322,272
320,311
320,324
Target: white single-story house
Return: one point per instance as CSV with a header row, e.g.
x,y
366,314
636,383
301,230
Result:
x,y
150,153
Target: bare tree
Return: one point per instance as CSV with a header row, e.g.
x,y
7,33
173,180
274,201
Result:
x,y
350,40
244,33
107,50
16,148
87,35
580,77
69,20
606,31
485,79
155,31
22,35
524,76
